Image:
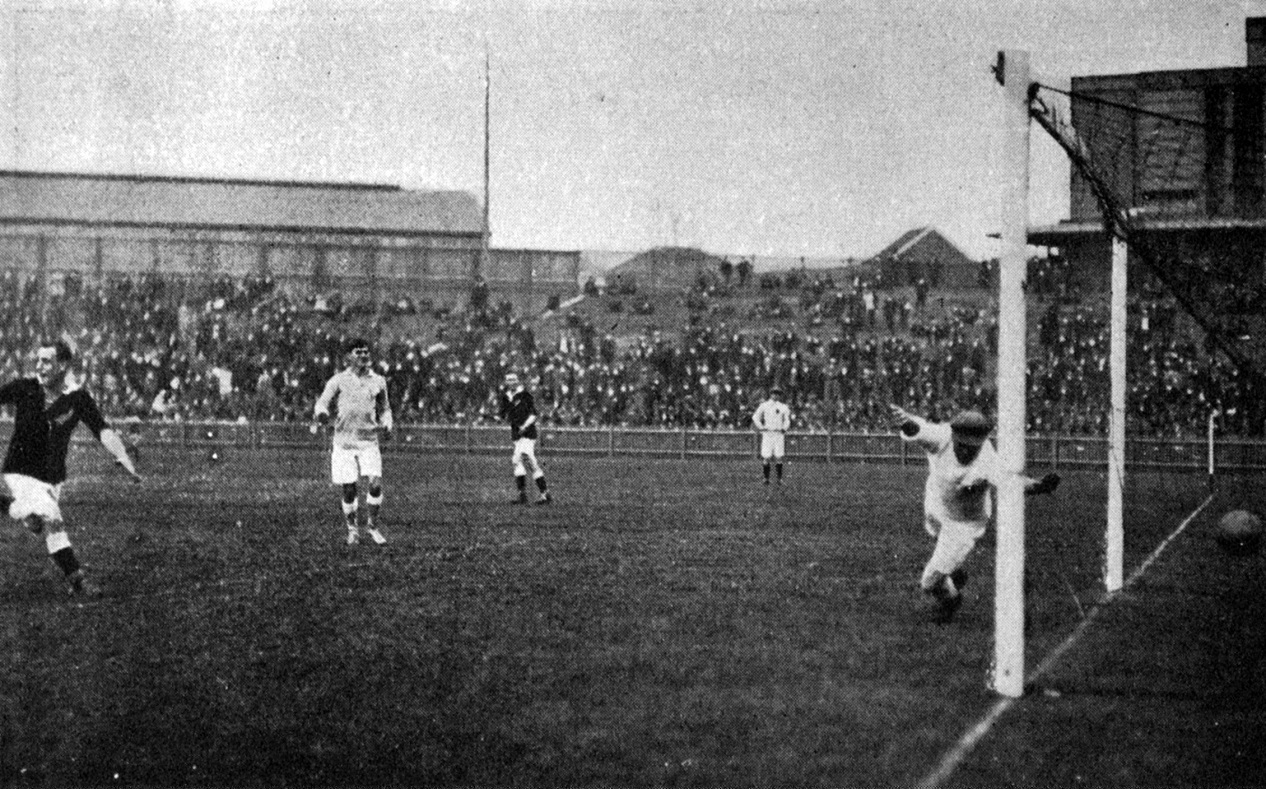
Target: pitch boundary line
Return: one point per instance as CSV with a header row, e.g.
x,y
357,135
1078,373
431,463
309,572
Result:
x,y
967,743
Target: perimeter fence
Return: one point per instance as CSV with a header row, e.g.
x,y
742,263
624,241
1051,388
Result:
x,y
1043,450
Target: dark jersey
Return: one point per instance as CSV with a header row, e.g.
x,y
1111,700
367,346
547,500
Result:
x,y
41,435
516,407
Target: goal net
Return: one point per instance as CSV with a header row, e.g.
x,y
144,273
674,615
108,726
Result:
x,y
1168,184
1175,171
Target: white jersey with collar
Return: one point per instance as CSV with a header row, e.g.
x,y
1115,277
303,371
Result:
x,y
360,407
952,493
772,415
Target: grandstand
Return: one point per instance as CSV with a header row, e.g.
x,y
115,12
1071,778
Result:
x,y
1175,159
364,241
217,319
247,348
220,299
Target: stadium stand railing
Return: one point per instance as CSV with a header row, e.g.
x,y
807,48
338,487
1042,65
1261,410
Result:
x,y
1043,450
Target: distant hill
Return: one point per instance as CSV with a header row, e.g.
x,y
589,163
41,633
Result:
x,y
665,268
597,262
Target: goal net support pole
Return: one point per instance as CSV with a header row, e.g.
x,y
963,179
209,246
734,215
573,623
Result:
x,y
1007,676
1122,227
1213,480
1114,555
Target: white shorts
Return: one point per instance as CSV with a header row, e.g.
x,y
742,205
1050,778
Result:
x,y
524,456
33,497
348,465
954,541
772,444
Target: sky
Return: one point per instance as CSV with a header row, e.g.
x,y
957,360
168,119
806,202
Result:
x,y
750,127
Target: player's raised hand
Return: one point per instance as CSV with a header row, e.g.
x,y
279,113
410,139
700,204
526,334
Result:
x,y
1047,484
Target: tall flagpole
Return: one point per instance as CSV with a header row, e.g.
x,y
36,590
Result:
x,y
482,265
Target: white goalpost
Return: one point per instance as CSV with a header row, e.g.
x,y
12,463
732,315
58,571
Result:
x,y
1008,670
1007,676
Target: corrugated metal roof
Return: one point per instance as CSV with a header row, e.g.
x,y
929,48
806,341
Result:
x,y
139,201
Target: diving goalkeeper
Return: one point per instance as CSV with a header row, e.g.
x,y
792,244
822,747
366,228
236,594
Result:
x,y
957,502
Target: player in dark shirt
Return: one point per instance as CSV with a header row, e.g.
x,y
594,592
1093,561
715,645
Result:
x,y
47,408
518,408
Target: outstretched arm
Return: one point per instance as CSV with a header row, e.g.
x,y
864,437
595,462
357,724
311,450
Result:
x,y
930,436
113,444
906,422
1036,487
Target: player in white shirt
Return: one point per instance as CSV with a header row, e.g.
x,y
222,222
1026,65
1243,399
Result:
x,y
957,499
772,419
357,398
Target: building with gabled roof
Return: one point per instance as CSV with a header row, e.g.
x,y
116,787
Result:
x,y
924,252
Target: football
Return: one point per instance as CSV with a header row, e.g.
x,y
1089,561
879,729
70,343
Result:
x,y
1240,533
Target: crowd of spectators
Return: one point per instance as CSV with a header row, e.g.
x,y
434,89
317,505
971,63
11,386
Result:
x,y
249,349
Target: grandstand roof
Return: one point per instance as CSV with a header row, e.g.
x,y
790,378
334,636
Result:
x,y
149,201
1054,235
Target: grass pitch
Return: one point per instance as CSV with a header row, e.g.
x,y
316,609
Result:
x,y
664,622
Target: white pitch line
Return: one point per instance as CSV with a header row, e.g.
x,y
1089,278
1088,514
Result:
x,y
956,755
